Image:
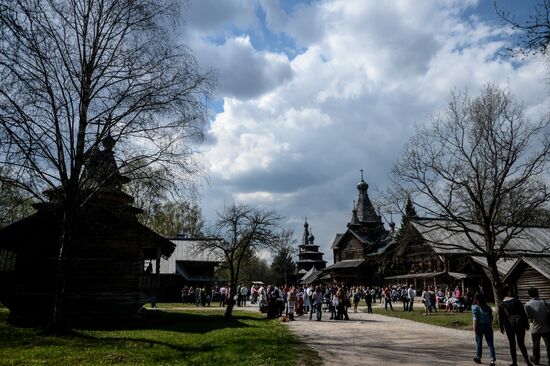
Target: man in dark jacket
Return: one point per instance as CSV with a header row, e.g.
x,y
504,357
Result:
x,y
537,312
513,321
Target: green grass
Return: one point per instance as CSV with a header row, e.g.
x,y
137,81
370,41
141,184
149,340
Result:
x,y
441,318
183,337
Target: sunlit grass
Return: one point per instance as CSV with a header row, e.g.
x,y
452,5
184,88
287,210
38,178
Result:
x,y
183,337
441,318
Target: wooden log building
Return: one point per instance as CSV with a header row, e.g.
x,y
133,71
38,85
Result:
x,y
187,266
309,255
437,253
431,252
106,276
357,251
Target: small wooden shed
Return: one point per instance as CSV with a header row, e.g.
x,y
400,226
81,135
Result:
x,y
187,266
530,272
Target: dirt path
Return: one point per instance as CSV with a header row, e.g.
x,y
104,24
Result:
x,y
381,340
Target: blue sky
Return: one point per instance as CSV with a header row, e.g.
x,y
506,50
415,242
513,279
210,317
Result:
x,y
311,92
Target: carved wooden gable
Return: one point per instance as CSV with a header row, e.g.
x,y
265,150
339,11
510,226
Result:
x,y
351,247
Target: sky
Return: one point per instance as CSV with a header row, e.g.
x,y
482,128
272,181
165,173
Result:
x,y
310,92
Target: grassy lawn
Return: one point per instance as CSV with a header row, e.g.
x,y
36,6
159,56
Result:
x,y
441,318
183,337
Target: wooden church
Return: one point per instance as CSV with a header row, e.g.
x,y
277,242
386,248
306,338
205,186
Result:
x,y
105,272
358,252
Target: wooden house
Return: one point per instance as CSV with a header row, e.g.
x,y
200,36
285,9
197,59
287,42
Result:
x,y
105,271
530,272
438,253
187,266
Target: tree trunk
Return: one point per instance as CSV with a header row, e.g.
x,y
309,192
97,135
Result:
x,y
231,302
496,284
59,322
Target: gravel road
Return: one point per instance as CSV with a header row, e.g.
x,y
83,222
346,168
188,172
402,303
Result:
x,y
369,339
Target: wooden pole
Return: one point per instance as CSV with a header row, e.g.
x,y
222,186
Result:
x,y
157,275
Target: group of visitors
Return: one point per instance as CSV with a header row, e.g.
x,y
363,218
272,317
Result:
x,y
289,302
293,301
514,320
200,296
203,296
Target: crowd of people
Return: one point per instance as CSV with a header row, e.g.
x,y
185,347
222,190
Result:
x,y
289,302
200,296
204,296
293,301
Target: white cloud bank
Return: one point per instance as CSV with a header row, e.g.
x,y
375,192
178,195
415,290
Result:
x,y
294,132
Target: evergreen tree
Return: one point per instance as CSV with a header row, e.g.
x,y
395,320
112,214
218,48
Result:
x,y
410,213
283,266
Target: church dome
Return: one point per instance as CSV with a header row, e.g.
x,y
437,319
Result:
x,y
362,185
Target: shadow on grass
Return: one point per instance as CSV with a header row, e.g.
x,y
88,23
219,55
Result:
x,y
145,343
189,323
175,322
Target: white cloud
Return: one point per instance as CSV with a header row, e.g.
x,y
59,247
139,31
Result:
x,y
368,71
242,71
212,17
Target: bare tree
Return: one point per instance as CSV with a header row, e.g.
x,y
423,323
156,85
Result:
x,y
75,73
483,167
240,230
534,32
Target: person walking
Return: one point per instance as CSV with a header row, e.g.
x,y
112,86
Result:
x,y
291,302
538,311
426,300
307,299
223,295
318,301
411,294
357,292
368,301
333,304
404,298
244,295
482,315
513,320
342,303
386,294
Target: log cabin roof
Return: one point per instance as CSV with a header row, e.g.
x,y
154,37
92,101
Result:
x,y
504,265
447,237
166,246
346,263
457,275
311,252
373,248
383,245
416,275
541,265
186,250
336,241
311,276
311,261
42,229
362,236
